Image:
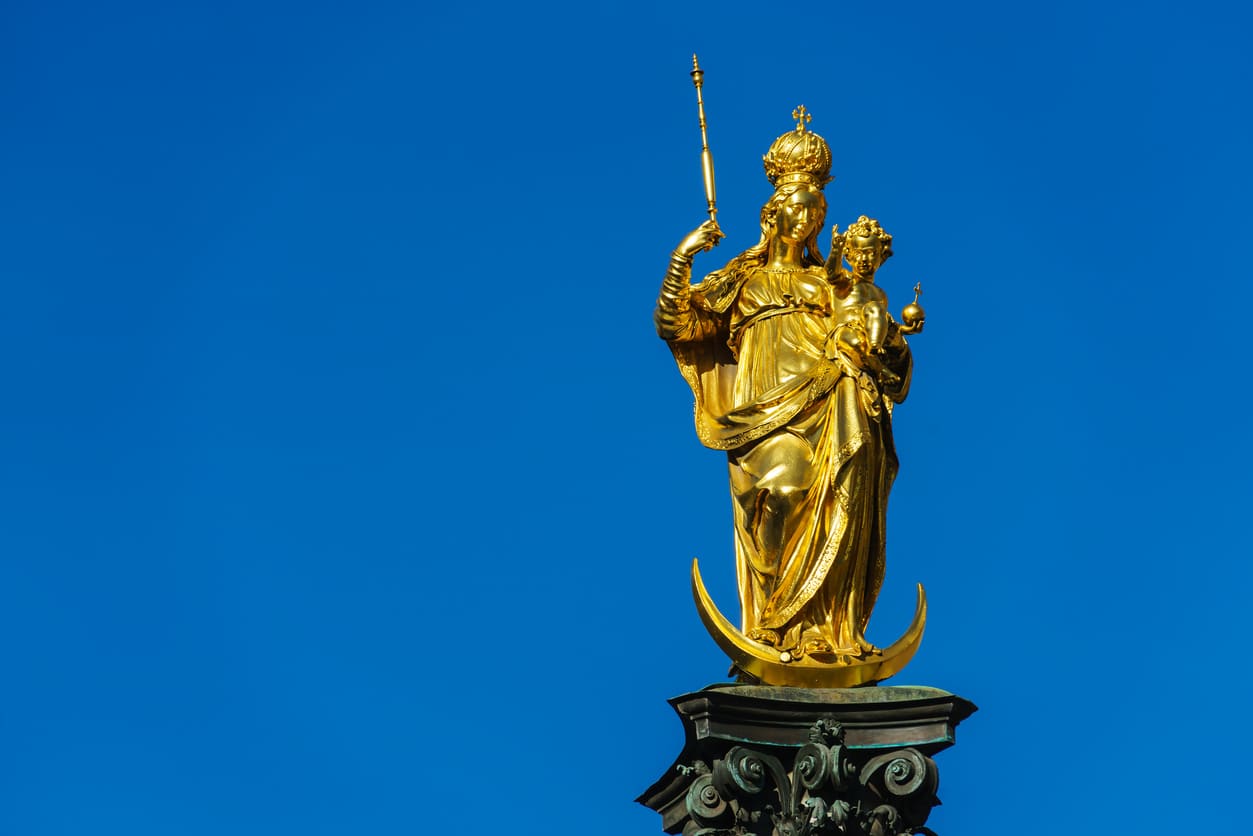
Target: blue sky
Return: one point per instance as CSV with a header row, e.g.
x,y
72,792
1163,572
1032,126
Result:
x,y
348,489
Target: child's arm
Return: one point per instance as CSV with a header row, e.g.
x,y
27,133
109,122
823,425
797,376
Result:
x,y
836,273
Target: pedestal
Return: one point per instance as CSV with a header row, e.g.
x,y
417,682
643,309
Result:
x,y
796,761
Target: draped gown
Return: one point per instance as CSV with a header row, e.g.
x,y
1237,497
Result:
x,y
809,444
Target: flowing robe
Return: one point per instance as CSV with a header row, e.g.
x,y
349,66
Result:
x,y
809,444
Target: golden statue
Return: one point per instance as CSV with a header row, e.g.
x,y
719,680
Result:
x,y
796,365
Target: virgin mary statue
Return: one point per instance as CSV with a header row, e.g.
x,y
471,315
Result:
x,y
801,403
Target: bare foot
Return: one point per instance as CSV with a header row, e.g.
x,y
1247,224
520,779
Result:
x,y
766,637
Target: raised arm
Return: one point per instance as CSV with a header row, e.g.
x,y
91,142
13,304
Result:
x,y
675,318
836,273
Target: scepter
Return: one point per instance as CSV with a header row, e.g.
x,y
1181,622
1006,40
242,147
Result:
x,y
706,158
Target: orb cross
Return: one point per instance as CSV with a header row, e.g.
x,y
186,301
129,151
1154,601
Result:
x,y
801,116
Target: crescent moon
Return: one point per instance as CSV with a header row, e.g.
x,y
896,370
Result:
x,y
766,665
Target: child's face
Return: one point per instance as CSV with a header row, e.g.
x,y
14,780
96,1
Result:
x,y
864,256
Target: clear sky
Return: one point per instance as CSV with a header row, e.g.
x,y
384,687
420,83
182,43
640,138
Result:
x,y
347,488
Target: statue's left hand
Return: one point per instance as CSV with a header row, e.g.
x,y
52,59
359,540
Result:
x,y
896,336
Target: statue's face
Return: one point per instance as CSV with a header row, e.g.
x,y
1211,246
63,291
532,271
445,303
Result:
x,y
864,255
797,217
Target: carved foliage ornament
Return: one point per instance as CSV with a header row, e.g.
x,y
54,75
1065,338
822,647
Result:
x,y
827,789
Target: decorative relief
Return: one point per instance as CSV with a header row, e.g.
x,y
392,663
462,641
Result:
x,y
823,788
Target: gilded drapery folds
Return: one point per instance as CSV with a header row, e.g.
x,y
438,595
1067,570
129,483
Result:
x,y
795,366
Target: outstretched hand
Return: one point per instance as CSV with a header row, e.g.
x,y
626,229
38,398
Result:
x,y
704,237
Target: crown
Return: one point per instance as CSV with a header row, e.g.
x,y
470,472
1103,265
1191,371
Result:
x,y
799,156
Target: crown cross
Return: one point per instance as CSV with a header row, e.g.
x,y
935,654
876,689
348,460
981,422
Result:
x,y
801,116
